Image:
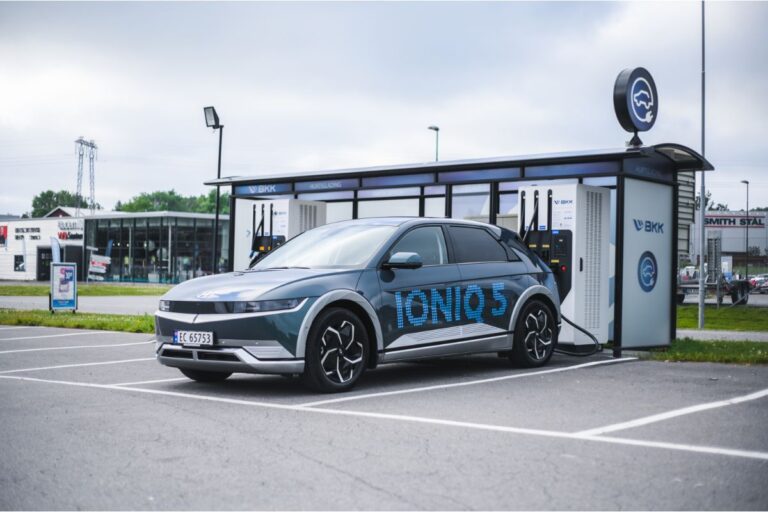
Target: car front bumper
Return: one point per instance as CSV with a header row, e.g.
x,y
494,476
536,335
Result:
x,y
247,343
225,359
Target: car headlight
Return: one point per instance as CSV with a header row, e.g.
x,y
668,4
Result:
x,y
256,306
259,306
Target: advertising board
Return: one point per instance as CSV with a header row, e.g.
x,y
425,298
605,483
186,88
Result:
x,y
646,318
63,286
98,266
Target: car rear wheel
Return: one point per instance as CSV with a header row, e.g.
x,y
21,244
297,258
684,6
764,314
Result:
x,y
740,295
205,376
535,335
336,352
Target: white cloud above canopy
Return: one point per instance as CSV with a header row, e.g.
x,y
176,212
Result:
x,y
306,86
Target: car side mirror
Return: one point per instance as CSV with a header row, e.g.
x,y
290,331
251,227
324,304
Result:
x,y
404,260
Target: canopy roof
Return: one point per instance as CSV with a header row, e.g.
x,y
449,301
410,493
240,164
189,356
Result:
x,y
677,157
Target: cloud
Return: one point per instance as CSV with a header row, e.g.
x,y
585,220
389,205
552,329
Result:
x,y
307,86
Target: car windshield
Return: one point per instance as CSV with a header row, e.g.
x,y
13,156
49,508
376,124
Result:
x,y
338,245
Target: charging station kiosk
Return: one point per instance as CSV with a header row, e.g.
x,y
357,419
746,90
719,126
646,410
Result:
x,y
569,228
261,225
623,222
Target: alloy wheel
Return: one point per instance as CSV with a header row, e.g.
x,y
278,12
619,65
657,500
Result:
x,y
538,334
341,352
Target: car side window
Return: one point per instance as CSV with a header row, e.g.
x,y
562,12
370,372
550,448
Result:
x,y
428,242
476,245
513,244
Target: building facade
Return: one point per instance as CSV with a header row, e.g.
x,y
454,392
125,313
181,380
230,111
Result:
x,y
154,247
732,228
25,246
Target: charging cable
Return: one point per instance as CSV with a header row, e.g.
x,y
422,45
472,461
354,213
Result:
x,y
530,226
597,348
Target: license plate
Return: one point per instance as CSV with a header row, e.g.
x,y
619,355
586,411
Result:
x,y
196,338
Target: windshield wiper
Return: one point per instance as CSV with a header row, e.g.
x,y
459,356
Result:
x,y
282,268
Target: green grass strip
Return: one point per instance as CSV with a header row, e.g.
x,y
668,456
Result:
x,y
97,321
85,290
738,352
726,318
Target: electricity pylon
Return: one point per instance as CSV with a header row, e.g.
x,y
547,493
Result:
x,y
81,146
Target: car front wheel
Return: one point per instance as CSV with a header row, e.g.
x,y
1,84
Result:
x,y
336,352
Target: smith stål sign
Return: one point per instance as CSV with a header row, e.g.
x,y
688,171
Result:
x,y
735,221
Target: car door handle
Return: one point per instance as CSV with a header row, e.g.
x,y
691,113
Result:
x,y
581,264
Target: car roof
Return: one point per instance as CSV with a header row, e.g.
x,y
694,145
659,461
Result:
x,y
409,221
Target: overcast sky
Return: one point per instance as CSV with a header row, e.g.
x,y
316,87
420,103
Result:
x,y
308,86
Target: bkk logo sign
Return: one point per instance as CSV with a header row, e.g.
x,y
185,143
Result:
x,y
649,226
647,271
268,188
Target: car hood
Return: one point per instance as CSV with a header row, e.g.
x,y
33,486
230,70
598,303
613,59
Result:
x,y
242,286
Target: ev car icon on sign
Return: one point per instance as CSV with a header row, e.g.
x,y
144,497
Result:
x,y
642,100
635,100
647,271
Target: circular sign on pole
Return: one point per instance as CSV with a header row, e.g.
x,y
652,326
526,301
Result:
x,y
635,100
647,271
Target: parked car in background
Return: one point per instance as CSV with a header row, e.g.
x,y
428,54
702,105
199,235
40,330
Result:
x,y
761,287
758,280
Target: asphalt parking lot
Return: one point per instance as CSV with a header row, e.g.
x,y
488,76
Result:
x,y
90,421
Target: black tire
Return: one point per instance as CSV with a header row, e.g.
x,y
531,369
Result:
x,y
535,335
205,376
740,296
336,352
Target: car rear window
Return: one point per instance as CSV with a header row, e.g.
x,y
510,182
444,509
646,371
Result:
x,y
473,245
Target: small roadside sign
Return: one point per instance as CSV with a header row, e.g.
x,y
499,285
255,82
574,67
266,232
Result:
x,y
63,287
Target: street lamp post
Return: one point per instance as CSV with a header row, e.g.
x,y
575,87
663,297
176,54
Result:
x,y
746,254
212,121
436,129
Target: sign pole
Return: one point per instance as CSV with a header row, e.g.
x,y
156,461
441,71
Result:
x,y
703,190
215,262
746,272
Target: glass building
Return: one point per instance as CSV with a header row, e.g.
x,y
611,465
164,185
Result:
x,y
154,247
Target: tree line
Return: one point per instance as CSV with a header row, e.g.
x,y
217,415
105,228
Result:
x,y
161,200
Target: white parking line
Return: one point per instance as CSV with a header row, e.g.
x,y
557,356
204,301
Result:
x,y
157,381
85,333
710,450
73,347
467,383
77,365
672,414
